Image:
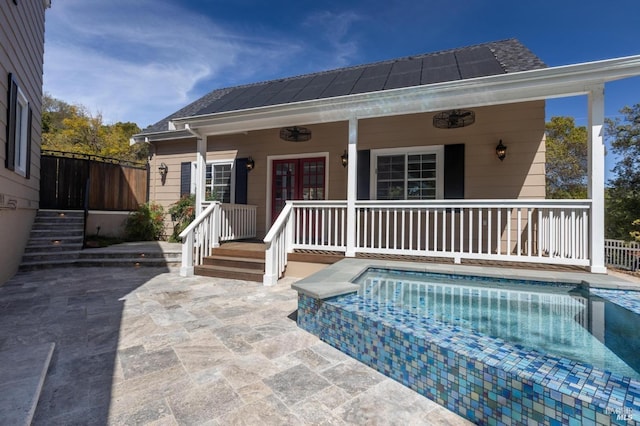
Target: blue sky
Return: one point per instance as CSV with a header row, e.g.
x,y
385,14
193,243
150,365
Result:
x,y
143,60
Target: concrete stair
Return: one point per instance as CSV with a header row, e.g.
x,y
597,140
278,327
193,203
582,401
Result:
x,y
234,262
56,239
134,254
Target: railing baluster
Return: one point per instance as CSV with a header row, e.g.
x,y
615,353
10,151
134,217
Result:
x,y
519,232
435,230
498,229
489,233
461,238
470,236
427,230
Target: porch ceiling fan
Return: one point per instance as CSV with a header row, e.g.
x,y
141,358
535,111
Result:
x,y
454,118
295,134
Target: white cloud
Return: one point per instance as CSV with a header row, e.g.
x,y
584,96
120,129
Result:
x,y
140,61
335,30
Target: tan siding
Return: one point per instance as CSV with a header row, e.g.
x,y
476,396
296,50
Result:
x,y
21,53
520,175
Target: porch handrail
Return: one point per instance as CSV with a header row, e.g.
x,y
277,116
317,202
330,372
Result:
x,y
278,244
199,237
505,203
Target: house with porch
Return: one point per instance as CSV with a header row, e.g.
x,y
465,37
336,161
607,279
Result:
x,y
440,155
21,69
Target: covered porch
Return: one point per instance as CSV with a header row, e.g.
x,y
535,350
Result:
x,y
528,229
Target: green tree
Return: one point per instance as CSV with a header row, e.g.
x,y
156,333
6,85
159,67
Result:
x,y
635,233
566,159
623,200
71,128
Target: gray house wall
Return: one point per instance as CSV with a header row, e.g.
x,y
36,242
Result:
x,y
21,55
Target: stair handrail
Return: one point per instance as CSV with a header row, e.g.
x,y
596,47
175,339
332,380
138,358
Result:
x,y
278,243
208,238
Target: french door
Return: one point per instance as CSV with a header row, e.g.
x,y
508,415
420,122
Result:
x,y
296,179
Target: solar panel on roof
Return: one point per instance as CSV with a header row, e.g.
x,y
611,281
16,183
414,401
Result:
x,y
405,79
343,83
371,84
480,69
439,60
475,54
292,89
407,65
315,88
262,98
439,74
467,62
376,71
239,101
405,73
218,104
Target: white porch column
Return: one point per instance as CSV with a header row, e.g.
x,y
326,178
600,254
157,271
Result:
x,y
596,178
201,165
352,187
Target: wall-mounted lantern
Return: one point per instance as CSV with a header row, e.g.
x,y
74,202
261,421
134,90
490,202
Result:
x,y
501,150
344,158
250,164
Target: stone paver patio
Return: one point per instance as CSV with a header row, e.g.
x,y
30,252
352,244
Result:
x,y
146,346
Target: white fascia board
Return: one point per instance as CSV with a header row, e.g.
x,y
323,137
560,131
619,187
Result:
x,y
160,136
523,86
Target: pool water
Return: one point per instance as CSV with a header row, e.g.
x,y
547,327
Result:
x,y
559,319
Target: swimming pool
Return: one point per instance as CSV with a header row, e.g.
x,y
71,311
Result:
x,y
433,341
562,319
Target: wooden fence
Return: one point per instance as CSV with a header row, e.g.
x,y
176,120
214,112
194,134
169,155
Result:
x,y
71,181
622,254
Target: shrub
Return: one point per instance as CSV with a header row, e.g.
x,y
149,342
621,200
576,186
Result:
x,y
183,212
146,223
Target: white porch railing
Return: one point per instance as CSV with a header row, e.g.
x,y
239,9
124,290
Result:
x,y
278,244
237,222
217,222
622,254
539,231
549,231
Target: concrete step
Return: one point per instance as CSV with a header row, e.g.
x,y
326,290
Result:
x,y
229,272
129,262
236,262
59,219
122,261
55,241
57,232
47,256
106,254
23,370
46,264
48,246
61,213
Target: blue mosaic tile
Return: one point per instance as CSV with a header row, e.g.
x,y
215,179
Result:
x,y
484,379
626,298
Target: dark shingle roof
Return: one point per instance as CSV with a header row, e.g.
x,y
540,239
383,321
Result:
x,y
506,56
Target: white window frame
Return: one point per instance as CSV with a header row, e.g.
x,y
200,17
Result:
x,y
21,143
438,150
232,195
